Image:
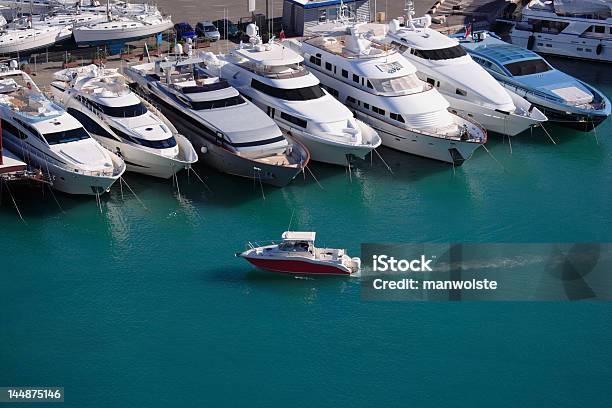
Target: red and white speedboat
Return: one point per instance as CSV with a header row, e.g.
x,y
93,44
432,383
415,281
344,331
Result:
x,y
297,254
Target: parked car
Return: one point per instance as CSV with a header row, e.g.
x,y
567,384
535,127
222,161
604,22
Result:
x,y
207,30
184,31
232,29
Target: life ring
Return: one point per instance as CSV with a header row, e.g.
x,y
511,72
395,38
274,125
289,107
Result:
x,y
599,48
530,42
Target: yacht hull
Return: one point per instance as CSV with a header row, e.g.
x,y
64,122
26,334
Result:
x,y
297,266
93,36
33,43
564,45
144,162
576,121
504,123
223,160
564,115
67,181
451,151
326,151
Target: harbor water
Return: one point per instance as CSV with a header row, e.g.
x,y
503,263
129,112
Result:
x,y
144,304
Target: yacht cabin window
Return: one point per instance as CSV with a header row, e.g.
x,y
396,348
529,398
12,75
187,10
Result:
x,y
397,84
355,78
294,94
378,110
66,136
528,67
130,111
295,120
455,51
315,60
345,73
397,117
217,104
153,144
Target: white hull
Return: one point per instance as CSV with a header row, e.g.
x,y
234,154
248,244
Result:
x,y
149,163
565,45
133,30
69,181
420,144
326,150
32,39
509,123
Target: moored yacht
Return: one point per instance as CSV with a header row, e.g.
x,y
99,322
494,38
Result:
x,y
468,87
561,97
570,28
229,132
297,254
122,28
273,77
383,90
43,135
24,37
122,122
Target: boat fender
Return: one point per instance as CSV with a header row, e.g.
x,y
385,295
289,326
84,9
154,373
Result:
x,y
599,48
530,42
204,149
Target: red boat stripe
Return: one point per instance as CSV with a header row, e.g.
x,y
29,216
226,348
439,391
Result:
x,y
296,266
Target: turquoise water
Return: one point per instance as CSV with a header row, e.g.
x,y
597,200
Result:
x,y
148,307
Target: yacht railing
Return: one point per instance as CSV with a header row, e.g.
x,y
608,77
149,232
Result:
x,y
294,73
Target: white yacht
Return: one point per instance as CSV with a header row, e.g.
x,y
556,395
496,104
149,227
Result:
x,y
564,99
12,8
229,132
43,135
273,77
382,88
468,87
570,28
123,27
123,123
24,37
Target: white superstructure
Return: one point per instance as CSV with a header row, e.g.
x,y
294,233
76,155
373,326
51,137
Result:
x,y
468,87
123,123
273,77
570,28
43,135
383,89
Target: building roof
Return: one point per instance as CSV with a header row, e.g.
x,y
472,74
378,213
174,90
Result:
x,y
299,236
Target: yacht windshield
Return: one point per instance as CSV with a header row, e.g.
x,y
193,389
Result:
x,y
295,94
66,136
440,54
122,111
153,144
219,103
534,66
390,85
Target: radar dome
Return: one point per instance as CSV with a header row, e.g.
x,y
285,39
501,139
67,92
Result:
x,y
252,30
